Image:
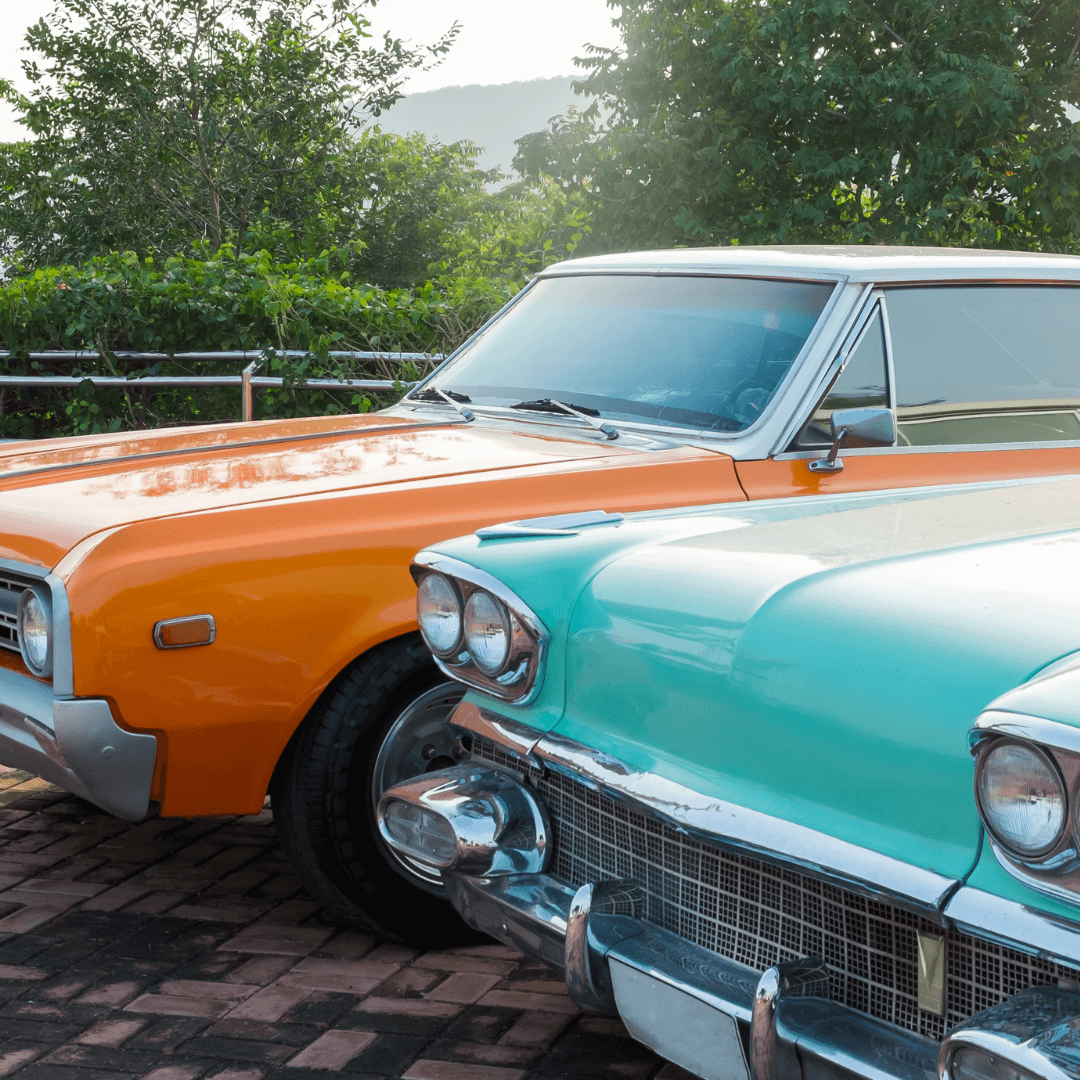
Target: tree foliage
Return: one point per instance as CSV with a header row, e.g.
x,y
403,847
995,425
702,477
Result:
x,y
170,126
895,121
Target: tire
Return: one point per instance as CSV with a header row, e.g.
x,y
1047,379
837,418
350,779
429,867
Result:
x,y
381,723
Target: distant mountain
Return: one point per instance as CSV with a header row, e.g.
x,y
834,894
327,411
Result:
x,y
490,116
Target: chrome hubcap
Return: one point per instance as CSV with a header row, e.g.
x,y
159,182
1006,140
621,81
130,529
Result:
x,y
419,741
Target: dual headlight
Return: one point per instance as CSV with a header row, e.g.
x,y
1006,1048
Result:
x,y
1022,798
35,625
478,631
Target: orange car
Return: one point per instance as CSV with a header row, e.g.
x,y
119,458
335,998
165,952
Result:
x,y
191,619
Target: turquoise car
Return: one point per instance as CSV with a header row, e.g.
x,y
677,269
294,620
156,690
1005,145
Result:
x,y
793,788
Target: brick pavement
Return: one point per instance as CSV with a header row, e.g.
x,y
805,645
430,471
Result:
x,y
186,950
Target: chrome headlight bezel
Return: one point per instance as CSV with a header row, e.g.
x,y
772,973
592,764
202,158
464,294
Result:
x,y
41,595
455,647
1047,759
518,678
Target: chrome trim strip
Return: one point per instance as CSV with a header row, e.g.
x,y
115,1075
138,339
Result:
x,y
1022,726
516,738
63,673
757,834
1014,925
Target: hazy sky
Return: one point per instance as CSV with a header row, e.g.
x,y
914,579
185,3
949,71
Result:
x,y
499,42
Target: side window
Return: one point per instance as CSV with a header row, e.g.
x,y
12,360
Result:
x,y
862,383
986,364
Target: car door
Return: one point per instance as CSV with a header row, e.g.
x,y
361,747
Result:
x,y
983,380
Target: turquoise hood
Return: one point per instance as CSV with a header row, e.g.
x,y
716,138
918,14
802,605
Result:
x,y
820,660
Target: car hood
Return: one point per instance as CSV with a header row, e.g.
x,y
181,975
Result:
x,y
54,493
817,660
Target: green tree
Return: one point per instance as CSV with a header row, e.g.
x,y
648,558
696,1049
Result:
x,y
888,121
174,126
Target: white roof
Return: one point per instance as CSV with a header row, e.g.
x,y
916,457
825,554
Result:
x,y
855,262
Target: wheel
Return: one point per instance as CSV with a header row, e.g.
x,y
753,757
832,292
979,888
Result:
x,y
384,721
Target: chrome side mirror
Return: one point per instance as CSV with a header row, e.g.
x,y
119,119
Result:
x,y
859,427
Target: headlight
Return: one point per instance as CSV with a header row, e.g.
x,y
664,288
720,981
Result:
x,y
438,610
35,631
1022,798
487,632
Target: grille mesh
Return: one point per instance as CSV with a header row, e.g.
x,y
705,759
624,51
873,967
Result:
x,y
10,591
758,914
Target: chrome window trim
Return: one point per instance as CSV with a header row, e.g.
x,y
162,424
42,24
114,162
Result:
x,y
943,448
820,341
841,347
470,674
753,832
890,367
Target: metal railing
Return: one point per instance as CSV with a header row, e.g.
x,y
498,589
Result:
x,y
247,380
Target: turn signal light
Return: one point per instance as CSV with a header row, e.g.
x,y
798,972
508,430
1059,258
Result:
x,y
185,632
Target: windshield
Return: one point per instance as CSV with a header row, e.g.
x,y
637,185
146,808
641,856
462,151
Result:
x,y
698,352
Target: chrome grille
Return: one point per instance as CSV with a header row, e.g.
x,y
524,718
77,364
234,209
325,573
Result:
x,y
10,591
758,914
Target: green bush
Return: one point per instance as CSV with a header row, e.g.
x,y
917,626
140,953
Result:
x,y
229,302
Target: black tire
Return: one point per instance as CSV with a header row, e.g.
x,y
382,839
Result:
x,y
324,804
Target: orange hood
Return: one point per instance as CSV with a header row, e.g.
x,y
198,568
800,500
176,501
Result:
x,y
56,492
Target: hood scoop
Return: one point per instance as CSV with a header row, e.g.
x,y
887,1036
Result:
x,y
558,525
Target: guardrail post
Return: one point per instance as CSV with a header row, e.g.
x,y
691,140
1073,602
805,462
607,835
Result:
x,y
245,389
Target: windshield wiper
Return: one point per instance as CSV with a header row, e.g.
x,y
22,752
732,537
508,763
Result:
x,y
449,397
547,404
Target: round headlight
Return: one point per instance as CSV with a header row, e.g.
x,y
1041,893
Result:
x,y
1022,798
438,610
487,632
35,632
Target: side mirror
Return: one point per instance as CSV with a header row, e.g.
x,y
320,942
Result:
x,y
858,427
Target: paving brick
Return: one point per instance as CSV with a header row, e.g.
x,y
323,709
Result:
x,y
260,1053
409,1007
454,961
260,970
10,1060
110,1032
216,991
230,913
269,1004
169,1033
117,897
481,1053
290,913
238,1074
157,903
113,994
28,918
175,1005
176,1072
61,887
464,986
426,1069
535,1029
514,999
18,971
333,1050
284,940
101,1057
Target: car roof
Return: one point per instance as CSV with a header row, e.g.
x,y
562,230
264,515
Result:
x,y
854,262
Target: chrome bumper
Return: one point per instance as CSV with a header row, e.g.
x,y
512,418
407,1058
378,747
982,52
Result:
x,y
76,744
720,1020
